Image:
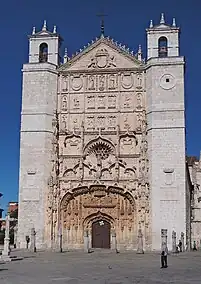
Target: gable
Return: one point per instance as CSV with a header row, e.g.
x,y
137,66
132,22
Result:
x,y
102,55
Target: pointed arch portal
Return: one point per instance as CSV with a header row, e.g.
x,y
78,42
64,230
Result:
x,y
99,210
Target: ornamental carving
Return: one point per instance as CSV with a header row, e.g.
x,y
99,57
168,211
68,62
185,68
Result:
x,y
102,59
127,80
76,82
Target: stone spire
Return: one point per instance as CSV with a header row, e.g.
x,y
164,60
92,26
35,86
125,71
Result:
x,y
33,31
162,20
55,30
174,22
65,55
139,53
44,26
151,24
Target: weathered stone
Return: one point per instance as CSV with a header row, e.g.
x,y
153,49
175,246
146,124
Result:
x,y
140,242
33,240
174,242
86,241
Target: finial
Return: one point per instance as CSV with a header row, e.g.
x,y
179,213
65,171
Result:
x,y
139,53
151,24
162,21
34,31
55,30
66,55
44,26
102,24
174,22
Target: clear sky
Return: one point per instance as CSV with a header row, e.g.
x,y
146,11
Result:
x,y
77,23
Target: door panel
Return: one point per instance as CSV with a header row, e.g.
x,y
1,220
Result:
x,y
101,234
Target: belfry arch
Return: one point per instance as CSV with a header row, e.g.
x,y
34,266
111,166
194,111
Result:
x,y
84,207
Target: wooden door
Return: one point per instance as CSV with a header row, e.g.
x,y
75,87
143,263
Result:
x,y
101,234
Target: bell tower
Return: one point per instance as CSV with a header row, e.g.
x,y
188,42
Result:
x,y
166,130
39,99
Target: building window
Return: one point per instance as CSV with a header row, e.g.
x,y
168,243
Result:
x,y
162,47
43,52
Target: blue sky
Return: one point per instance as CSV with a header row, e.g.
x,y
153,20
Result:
x,y
77,23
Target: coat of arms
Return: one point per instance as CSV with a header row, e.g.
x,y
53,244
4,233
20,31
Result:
x,y
102,59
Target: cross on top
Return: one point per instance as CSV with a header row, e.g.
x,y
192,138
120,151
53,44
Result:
x,y
102,16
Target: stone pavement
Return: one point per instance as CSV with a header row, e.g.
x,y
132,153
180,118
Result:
x,y
101,267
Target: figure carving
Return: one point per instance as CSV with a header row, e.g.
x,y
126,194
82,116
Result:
x,y
91,82
139,101
64,103
112,82
102,83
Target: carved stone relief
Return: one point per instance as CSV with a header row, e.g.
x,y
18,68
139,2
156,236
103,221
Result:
x,y
101,102
139,81
91,82
127,80
127,101
90,122
101,120
65,84
138,100
80,209
63,123
111,122
102,59
64,103
128,143
76,102
90,101
112,101
101,83
112,81
76,82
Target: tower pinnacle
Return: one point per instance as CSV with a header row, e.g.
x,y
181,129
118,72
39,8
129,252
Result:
x,y
162,21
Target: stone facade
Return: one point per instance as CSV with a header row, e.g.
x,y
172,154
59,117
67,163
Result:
x,y
103,140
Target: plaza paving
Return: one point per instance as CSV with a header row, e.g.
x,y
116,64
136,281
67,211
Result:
x,y
101,267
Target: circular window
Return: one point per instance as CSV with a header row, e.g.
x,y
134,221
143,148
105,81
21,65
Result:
x,y
167,81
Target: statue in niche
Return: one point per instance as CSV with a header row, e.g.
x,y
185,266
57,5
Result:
x,y
126,124
144,147
139,80
143,175
76,103
64,103
139,101
102,83
91,85
139,121
112,82
127,101
63,123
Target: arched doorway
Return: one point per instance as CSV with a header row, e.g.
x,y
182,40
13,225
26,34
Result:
x,y
101,234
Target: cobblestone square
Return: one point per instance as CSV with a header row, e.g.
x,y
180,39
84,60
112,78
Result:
x,y
101,267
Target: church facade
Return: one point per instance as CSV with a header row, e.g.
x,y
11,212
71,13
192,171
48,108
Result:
x,y
102,152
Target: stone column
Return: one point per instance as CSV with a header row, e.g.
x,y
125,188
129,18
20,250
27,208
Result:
x,y
114,241
174,242
163,239
182,240
15,236
86,241
33,240
6,247
140,242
